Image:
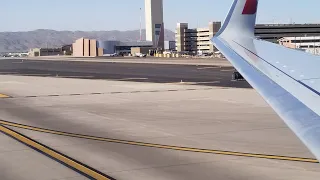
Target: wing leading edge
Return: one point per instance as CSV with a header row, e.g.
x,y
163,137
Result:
x,y
287,79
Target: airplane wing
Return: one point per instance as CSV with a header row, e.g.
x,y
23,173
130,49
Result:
x,y
288,79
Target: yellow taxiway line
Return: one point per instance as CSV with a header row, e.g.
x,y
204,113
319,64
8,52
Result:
x,y
79,167
4,96
161,146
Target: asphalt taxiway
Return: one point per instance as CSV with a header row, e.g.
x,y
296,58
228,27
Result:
x,y
217,72
125,128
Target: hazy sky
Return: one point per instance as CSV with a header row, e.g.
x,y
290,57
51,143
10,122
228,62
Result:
x,y
25,15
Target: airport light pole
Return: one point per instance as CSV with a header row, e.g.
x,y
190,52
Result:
x,y
140,24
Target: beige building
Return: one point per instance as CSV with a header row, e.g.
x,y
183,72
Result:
x,y
196,40
45,52
86,48
142,50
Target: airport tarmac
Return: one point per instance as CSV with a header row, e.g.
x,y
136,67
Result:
x,y
175,114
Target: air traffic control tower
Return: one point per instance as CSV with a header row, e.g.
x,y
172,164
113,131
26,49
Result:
x,y
154,22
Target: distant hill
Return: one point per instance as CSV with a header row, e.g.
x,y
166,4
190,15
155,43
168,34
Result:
x,y
23,41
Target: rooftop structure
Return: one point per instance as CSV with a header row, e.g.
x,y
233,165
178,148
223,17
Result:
x,y
273,32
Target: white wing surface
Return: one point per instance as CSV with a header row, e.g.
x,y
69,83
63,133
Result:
x,y
288,79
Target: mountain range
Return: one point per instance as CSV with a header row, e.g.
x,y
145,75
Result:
x,y
23,41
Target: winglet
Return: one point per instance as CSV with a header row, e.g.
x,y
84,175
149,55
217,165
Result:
x,y
241,19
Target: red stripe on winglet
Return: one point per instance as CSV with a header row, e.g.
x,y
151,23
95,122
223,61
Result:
x,y
250,7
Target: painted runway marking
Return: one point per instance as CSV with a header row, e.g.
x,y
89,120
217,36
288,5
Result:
x,y
101,93
8,73
67,161
74,76
214,67
210,82
126,79
12,82
159,146
227,70
197,83
4,96
35,74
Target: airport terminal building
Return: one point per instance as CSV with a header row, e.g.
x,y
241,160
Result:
x,y
198,39
310,44
121,47
274,32
91,47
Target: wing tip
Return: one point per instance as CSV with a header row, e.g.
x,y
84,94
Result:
x,y
241,18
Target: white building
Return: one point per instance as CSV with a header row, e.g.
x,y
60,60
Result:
x,y
154,22
309,44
